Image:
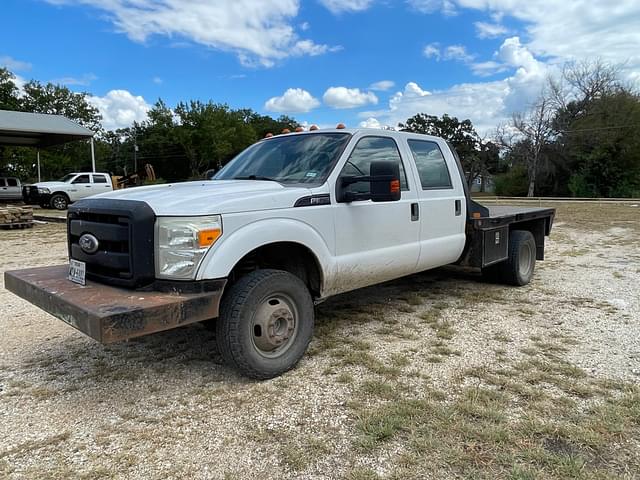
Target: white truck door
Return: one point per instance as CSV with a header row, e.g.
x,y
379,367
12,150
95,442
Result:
x,y
13,189
81,187
100,183
375,241
442,203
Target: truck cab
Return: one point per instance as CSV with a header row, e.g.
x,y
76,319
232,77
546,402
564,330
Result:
x,y
10,189
70,188
291,221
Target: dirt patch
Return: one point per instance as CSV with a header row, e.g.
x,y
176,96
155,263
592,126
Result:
x,y
437,375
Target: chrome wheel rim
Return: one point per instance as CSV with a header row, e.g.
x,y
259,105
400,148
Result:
x,y
275,325
59,203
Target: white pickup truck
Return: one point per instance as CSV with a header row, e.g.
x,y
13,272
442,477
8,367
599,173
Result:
x,y
70,188
290,221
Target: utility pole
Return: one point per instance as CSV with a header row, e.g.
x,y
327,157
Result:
x,y
135,150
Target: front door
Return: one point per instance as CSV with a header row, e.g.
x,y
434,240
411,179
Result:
x,y
377,241
81,187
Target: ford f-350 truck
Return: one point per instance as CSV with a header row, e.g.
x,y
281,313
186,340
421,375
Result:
x,y
292,220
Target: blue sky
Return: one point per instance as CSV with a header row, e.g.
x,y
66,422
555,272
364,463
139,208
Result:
x,y
368,62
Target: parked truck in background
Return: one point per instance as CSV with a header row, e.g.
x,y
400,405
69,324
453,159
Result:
x,y
10,189
291,221
71,188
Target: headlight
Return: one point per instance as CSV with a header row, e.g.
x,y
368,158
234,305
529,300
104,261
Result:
x,y
43,190
181,243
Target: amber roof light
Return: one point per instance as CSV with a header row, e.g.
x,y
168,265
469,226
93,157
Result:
x,y
341,126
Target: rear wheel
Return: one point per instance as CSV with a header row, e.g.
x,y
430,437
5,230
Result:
x,y
59,201
518,268
265,324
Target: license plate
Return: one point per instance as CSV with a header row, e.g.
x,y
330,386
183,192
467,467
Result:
x,y
77,271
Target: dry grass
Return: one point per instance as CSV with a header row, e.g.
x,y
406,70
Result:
x,y
434,376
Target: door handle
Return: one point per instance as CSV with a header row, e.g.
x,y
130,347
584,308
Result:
x,y
87,186
415,212
458,208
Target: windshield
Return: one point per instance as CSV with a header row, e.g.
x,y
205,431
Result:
x,y
67,177
288,159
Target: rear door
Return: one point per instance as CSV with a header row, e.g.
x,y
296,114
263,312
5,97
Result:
x,y
442,203
13,189
375,241
100,183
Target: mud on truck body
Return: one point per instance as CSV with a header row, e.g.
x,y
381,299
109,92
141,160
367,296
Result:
x,y
291,221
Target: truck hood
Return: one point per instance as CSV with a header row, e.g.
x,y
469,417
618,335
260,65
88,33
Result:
x,y
50,184
212,196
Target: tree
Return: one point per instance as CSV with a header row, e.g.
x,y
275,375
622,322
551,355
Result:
x,y
211,134
535,126
478,156
9,99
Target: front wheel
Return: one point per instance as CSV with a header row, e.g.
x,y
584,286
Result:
x,y
265,324
59,201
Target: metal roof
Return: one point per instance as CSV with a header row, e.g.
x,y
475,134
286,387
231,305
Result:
x,y
38,130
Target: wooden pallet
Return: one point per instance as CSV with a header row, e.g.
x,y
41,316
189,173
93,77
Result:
x,y
16,225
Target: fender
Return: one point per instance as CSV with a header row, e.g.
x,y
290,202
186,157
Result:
x,y
220,260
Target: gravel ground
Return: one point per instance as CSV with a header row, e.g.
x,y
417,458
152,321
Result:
x,y
164,407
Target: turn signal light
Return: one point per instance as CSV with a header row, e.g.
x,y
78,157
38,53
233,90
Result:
x,y
394,186
206,238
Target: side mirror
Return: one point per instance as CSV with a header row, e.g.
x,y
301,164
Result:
x,y
385,181
384,184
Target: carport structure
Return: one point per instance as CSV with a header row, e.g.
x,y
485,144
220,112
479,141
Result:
x,y
38,130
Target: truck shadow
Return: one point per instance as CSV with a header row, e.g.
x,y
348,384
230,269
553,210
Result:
x,y
76,362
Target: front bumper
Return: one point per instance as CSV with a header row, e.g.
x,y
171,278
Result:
x,y
31,196
109,314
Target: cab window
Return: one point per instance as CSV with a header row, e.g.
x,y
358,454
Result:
x,y
432,167
2,182
82,179
367,150
99,179
12,182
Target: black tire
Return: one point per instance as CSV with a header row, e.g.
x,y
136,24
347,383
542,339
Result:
x,y
59,201
518,268
261,309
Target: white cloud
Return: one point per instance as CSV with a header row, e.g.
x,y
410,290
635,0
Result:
x,y
294,100
446,7
561,31
490,30
157,80
340,6
343,97
370,122
84,80
307,47
457,52
259,31
452,52
382,85
119,109
432,51
14,65
487,104
304,26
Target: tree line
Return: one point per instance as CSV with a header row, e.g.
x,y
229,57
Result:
x,y
579,137
181,143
